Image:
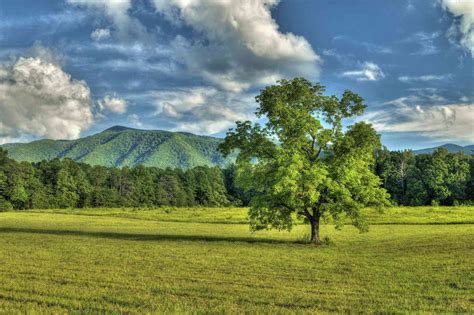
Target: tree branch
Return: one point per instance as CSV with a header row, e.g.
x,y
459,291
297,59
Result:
x,y
319,152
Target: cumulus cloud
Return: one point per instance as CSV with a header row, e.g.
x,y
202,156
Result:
x,y
368,72
113,104
100,34
46,54
240,44
427,116
203,110
235,45
38,98
463,11
424,78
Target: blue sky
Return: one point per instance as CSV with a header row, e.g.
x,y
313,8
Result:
x,y
75,67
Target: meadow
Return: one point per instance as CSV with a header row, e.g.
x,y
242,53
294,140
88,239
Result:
x,y
190,260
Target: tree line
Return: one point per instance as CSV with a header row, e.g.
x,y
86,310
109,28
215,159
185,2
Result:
x,y
440,178
69,184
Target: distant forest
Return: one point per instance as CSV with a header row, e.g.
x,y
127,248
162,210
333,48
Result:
x,y
440,178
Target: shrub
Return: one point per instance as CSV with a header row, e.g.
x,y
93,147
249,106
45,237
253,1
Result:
x,y
434,203
5,205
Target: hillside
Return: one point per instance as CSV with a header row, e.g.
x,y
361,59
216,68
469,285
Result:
x,y
120,146
452,148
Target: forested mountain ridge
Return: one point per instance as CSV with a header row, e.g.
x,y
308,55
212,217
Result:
x,y
121,146
452,148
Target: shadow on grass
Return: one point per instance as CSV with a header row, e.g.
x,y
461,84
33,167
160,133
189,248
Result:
x,y
146,237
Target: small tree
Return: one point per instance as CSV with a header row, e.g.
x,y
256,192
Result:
x,y
302,162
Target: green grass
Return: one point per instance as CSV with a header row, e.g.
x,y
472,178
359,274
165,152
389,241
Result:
x,y
421,215
395,215
185,261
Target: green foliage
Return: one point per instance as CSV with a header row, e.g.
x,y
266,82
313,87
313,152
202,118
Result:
x,y
120,146
68,184
3,183
439,178
66,190
302,161
5,205
18,193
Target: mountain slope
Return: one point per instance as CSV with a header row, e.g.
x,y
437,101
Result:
x,y
452,148
120,146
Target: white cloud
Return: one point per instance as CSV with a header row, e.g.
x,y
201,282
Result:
x,y
369,46
38,98
47,22
141,65
424,78
438,120
248,21
127,27
48,55
135,120
368,72
100,34
240,45
463,10
113,104
174,103
425,42
234,45
203,110
464,99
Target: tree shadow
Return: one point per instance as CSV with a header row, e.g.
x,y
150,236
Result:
x,y
146,237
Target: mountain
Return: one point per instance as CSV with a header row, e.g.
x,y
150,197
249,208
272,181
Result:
x,y
452,148
121,146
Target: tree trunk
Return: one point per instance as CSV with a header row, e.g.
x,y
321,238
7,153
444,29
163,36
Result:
x,y
315,230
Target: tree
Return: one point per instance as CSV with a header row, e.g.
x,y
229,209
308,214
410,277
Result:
x,y
458,176
445,175
3,184
4,203
469,189
170,190
302,162
66,190
209,187
237,195
143,192
395,168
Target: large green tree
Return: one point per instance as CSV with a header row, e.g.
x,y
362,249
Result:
x,y
302,162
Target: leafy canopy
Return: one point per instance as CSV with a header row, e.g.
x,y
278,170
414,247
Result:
x,y
302,161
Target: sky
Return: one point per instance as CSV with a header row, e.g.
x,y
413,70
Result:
x,y
72,68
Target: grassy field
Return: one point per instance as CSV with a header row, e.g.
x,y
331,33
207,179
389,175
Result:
x,y
206,260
